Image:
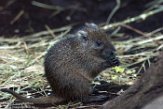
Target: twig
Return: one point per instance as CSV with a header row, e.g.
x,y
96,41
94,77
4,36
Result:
x,y
150,40
47,32
17,17
160,47
37,58
143,66
113,11
155,31
42,5
139,41
148,54
26,47
50,31
135,30
133,19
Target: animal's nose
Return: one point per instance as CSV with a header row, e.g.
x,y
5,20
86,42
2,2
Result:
x,y
110,57
108,53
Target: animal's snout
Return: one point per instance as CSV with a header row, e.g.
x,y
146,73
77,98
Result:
x,y
111,57
108,53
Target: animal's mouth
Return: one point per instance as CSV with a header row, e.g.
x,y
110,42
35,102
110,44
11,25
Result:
x,y
113,61
110,57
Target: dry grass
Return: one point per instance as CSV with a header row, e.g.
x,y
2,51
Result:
x,y
21,59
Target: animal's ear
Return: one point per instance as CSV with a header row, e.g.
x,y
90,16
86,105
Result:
x,y
82,34
92,26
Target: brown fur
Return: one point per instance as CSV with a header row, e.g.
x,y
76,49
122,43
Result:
x,y
73,62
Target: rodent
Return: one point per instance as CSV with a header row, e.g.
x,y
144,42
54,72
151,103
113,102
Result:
x,y
73,62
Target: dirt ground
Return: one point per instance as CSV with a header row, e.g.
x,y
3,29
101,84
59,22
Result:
x,y
20,17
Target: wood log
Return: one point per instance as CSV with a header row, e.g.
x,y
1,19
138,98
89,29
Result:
x,y
143,92
155,104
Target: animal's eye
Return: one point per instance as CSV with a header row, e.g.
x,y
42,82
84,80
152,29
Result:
x,y
85,38
98,43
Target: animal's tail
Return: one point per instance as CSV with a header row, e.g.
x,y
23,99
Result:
x,y
40,100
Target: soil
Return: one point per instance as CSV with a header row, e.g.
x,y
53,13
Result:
x,y
33,18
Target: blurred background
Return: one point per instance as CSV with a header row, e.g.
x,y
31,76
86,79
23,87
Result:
x,y
21,17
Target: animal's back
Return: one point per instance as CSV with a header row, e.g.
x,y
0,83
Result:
x,y
63,68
